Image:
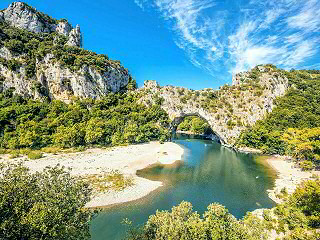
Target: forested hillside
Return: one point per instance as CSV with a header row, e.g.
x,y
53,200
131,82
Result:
x,y
293,127
53,93
115,119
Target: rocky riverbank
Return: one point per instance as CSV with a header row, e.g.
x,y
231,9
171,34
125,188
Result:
x,y
124,159
289,176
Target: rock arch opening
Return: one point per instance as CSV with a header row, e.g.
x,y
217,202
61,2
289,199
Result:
x,y
194,124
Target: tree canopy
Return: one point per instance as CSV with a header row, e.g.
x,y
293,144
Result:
x,y
42,205
296,218
115,119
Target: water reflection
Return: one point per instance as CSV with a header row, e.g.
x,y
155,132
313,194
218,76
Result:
x,y
209,173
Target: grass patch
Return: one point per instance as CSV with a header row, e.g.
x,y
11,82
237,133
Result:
x,y
14,154
113,180
34,155
3,151
53,150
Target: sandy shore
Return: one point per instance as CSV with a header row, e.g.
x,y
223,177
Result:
x,y
126,159
289,176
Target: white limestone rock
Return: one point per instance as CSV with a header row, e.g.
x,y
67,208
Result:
x,y
75,38
20,15
61,83
1,16
5,53
63,28
247,107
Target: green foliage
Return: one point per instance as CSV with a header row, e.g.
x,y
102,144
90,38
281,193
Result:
x,y
231,124
307,198
297,218
293,125
15,46
109,181
45,205
182,224
34,155
116,119
35,46
195,125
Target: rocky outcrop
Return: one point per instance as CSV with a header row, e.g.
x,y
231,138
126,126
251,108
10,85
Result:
x,y
1,16
75,38
229,110
44,75
58,82
20,15
64,28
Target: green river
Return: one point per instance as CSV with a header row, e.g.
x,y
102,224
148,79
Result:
x,y
208,173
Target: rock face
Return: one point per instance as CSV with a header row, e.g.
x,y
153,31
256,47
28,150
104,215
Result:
x,y
20,15
1,16
75,38
64,28
52,78
58,82
229,110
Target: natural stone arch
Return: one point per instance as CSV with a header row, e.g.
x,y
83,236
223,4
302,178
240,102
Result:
x,y
179,119
229,110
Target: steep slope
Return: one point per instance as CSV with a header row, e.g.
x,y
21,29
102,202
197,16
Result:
x,y
293,127
229,110
40,57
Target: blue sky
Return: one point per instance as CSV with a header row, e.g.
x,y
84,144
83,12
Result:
x,y
195,43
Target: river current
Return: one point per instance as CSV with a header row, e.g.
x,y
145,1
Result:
x,y
208,173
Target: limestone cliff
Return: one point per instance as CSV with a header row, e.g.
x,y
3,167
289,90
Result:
x,y
20,15
41,57
229,110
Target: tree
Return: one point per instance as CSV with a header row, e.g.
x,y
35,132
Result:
x,y
182,223
307,198
45,205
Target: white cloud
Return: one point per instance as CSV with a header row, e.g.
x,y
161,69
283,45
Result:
x,y
294,38
272,39
271,16
303,51
216,35
308,18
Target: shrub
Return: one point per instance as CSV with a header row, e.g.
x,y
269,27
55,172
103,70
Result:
x,y
43,205
15,46
306,165
34,155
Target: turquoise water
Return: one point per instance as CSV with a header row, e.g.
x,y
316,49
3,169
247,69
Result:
x,y
209,173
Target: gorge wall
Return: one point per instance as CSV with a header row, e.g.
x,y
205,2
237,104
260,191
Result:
x,y
41,57
229,110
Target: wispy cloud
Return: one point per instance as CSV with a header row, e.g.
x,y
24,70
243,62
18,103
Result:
x,y
218,36
140,3
308,19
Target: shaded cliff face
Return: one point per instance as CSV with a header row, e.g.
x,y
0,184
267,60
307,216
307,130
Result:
x,y
41,57
229,110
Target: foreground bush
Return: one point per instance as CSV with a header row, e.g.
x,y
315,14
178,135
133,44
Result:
x,y
46,205
297,218
184,224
